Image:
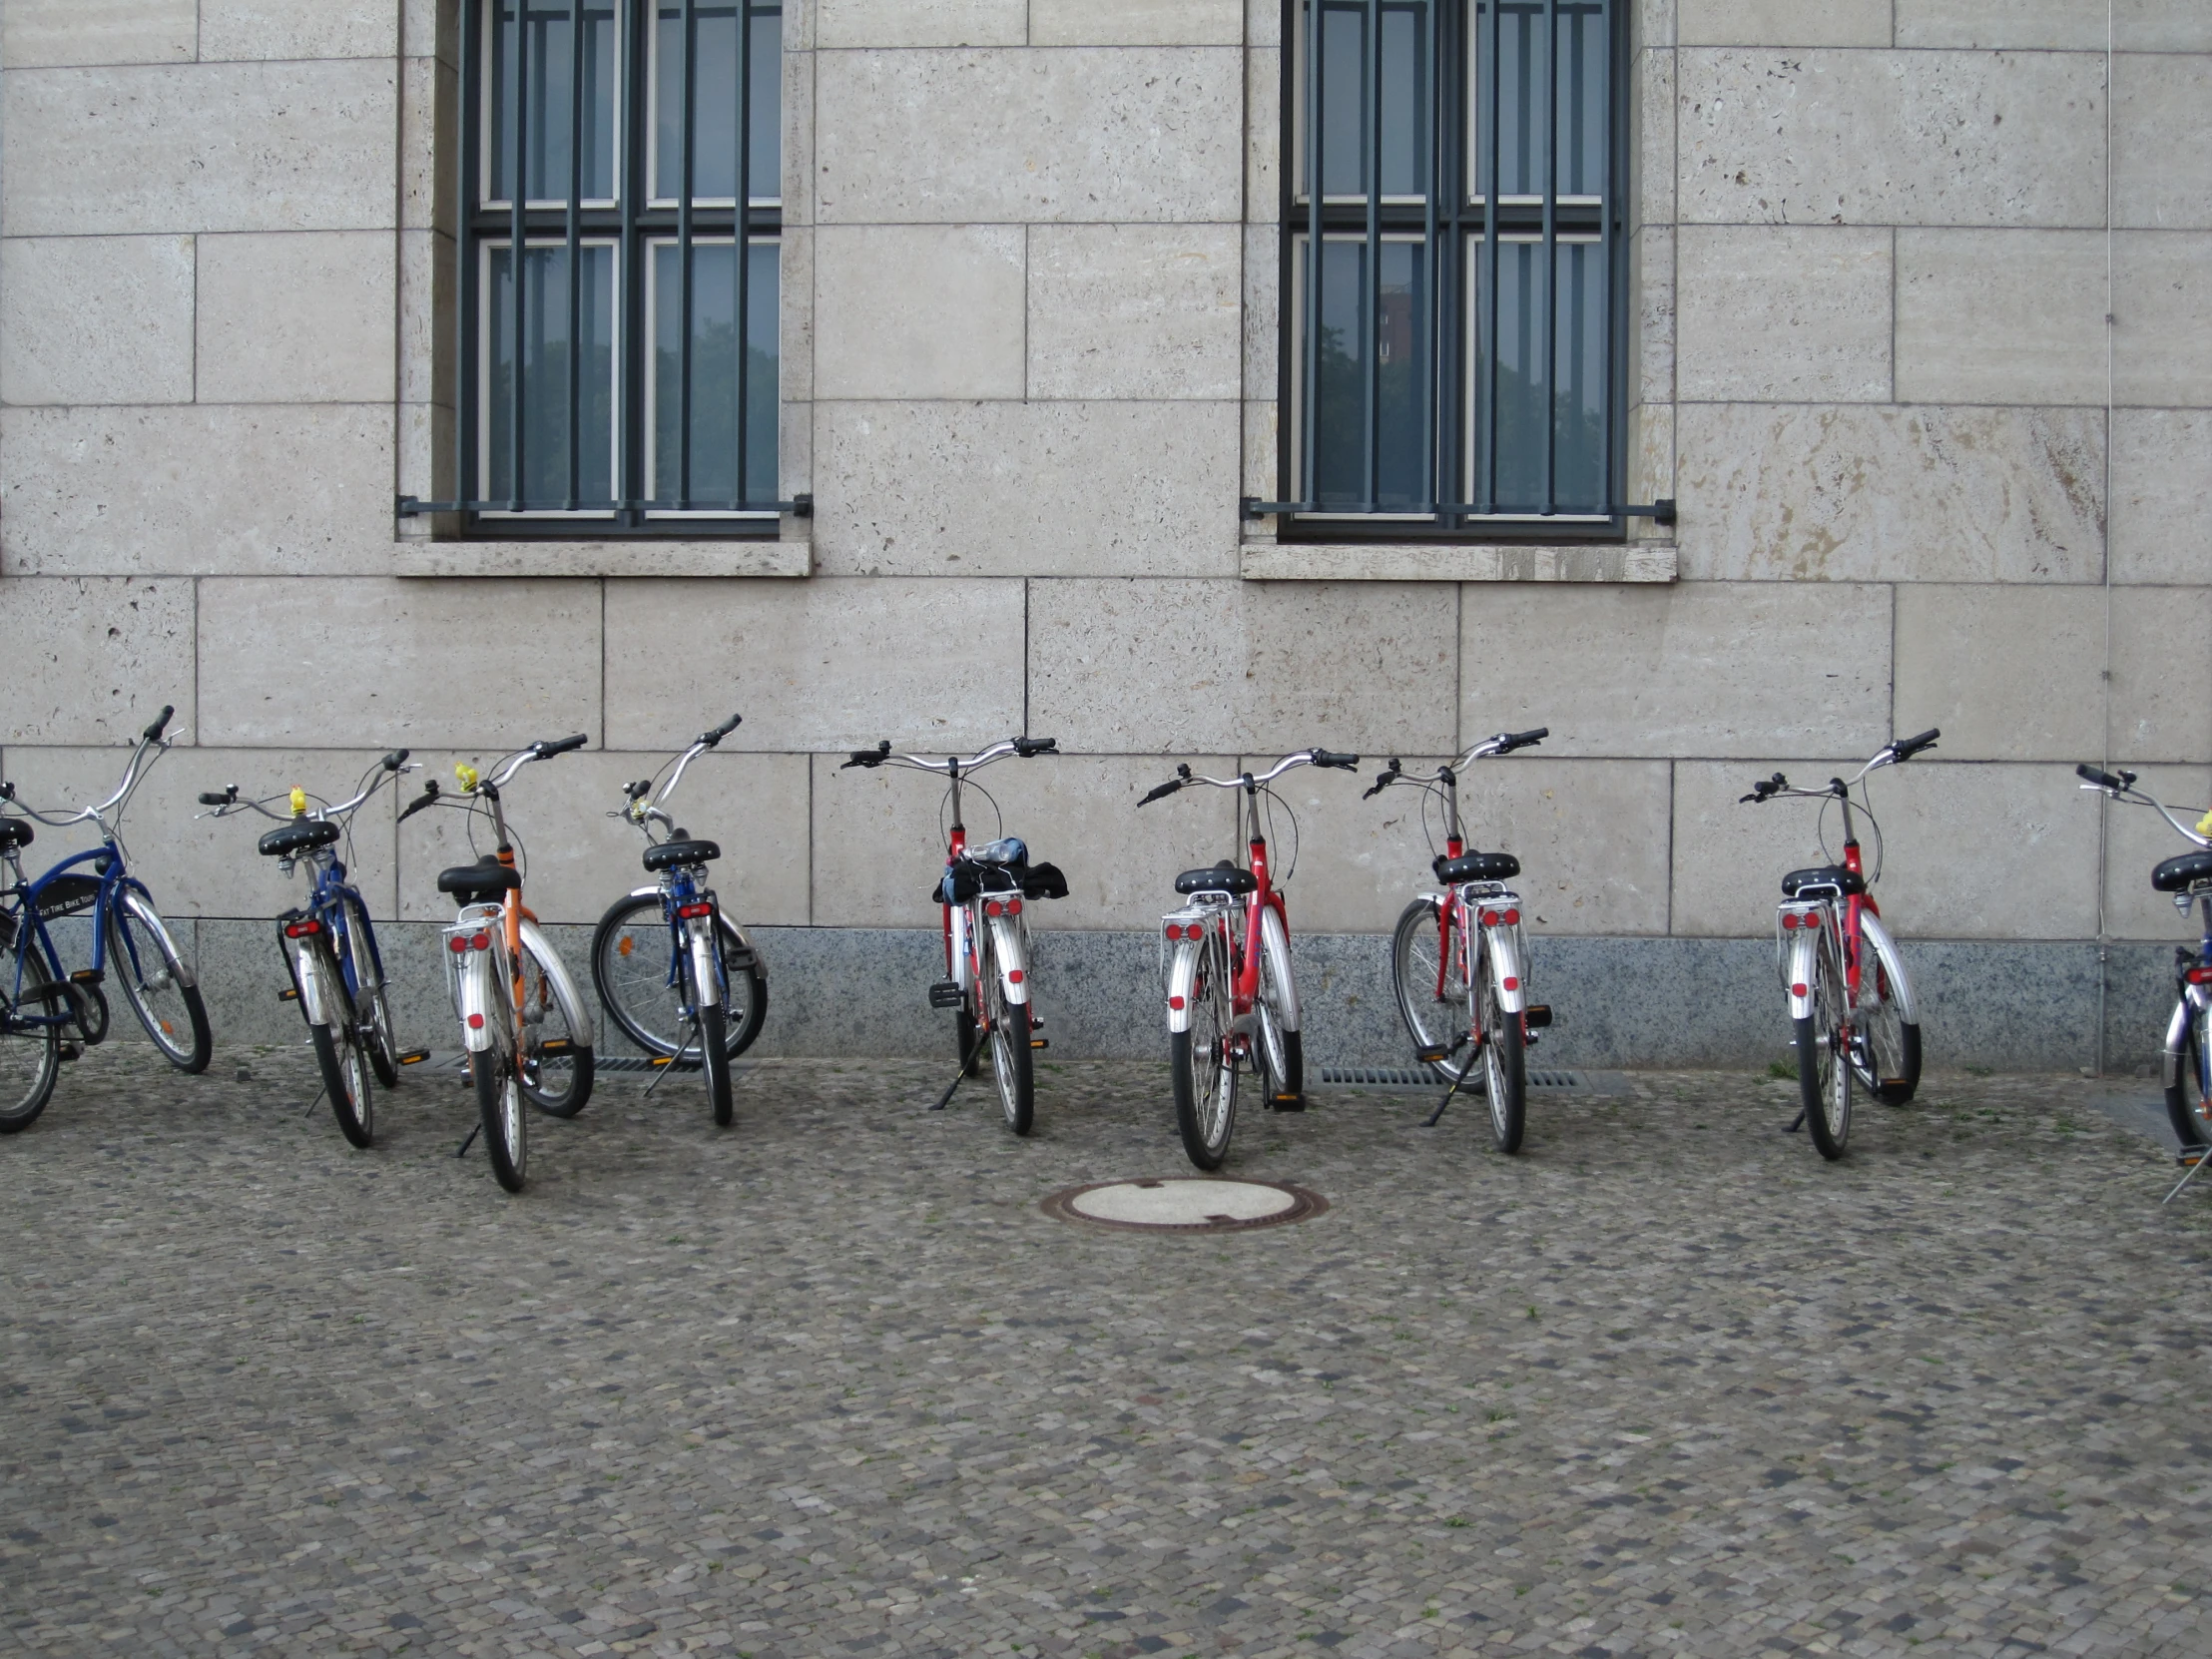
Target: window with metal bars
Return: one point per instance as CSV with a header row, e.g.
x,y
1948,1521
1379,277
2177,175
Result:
x,y
619,374
1453,328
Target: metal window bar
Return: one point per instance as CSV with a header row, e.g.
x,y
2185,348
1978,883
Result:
x,y
630,222
1462,103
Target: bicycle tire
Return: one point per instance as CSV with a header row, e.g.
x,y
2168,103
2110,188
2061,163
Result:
x,y
338,1052
714,1061
1891,1068
500,1106
624,991
1823,1069
1434,1022
1013,1062
30,1055
1282,1050
558,1084
164,1002
371,1003
1203,1070
2189,1100
1504,1067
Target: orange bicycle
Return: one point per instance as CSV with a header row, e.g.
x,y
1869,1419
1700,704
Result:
x,y
533,1040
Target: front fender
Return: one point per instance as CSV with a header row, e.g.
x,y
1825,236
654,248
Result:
x,y
142,907
579,1031
1893,964
1803,967
1013,965
1276,943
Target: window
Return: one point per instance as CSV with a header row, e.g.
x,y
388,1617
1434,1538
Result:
x,y
618,304
1453,336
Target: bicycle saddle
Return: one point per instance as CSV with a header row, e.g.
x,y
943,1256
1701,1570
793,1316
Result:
x,y
671,854
1476,866
2182,872
480,883
290,840
1222,877
1823,875
15,832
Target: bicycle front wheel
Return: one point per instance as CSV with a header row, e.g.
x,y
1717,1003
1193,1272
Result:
x,y
1504,1067
338,1051
1282,1049
1432,994
155,983
1887,1058
555,1063
1823,1069
2189,1099
370,1005
1204,1066
30,1041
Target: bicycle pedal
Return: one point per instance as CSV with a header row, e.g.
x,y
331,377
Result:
x,y
413,1057
946,994
658,1060
2191,1158
1536,1015
1289,1103
287,996
1431,1056
1040,1042
88,976
70,1051
555,1045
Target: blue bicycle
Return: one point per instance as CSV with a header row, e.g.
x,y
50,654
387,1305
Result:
x,y
677,974
128,940
329,948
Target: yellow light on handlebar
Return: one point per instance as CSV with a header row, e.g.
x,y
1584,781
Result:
x,y
2204,825
466,773
299,801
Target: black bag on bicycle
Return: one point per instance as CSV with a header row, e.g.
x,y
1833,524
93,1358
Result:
x,y
1043,882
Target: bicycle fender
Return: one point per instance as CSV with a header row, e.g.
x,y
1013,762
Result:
x,y
1277,945
477,996
1803,969
310,982
1901,988
748,954
172,957
580,1030
2177,1042
699,935
963,974
1013,967
1181,976
1502,945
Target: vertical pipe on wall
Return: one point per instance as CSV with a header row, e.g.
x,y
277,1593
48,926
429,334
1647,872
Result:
x,y
1550,84
741,247
1371,271
1425,91
575,240
1309,421
684,259
467,486
517,190
1486,80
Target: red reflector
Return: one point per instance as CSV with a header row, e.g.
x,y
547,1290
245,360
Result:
x,y
1796,990
476,1022
1512,918
1510,984
1489,918
1013,907
1013,976
1175,930
457,944
2200,976
689,910
994,909
480,941
1789,921
1176,1003
301,929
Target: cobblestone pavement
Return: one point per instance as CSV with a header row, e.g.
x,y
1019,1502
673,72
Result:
x,y
828,1384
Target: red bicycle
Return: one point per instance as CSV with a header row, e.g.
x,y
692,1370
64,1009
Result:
x,y
1850,1005
1229,974
990,975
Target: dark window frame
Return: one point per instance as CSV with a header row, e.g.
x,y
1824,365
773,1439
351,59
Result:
x,y
1449,222
634,224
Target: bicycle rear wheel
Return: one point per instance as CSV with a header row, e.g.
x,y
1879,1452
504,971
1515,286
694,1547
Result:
x,y
1203,1066
1823,1069
1504,1067
1013,1066
30,1054
338,1050
371,1006
1431,1000
154,980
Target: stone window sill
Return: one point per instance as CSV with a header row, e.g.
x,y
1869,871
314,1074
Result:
x,y
1648,561
603,558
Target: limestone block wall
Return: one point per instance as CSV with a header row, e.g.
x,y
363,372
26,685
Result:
x,y
1921,342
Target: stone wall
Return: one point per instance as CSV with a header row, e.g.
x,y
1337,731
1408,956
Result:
x,y
1029,350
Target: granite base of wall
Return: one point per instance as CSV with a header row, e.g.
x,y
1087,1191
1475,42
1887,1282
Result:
x,y
1618,1002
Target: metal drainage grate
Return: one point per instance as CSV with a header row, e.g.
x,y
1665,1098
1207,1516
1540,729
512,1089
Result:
x,y
1205,1204
1421,1077
602,1064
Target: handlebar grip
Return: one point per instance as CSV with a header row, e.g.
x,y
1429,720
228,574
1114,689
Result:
x,y
2097,776
1026,746
396,759
863,757
1523,740
710,739
1905,747
160,719
1164,790
1329,758
546,751
208,798
428,797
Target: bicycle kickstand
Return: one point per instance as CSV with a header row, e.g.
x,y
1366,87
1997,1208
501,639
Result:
x,y
669,1065
308,1109
967,1060
1797,1123
1438,1115
469,1141
2203,1158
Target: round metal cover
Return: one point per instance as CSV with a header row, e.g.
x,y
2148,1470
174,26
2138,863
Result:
x,y
1204,1204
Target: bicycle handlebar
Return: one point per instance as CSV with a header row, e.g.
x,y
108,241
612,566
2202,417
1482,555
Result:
x,y
1162,792
710,739
2104,780
546,751
153,733
1903,749
1026,747
2123,787
1336,761
428,797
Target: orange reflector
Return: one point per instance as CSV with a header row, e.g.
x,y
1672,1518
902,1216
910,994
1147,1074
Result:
x,y
624,945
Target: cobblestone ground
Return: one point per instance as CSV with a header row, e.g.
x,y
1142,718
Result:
x,y
829,1383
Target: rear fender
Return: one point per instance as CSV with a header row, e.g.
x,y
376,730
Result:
x,y
1007,946
1802,959
1508,966
1181,976
308,978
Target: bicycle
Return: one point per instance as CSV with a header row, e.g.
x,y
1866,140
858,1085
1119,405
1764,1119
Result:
x,y
329,948
989,973
1458,961
506,980
2185,1063
1228,971
34,1004
159,985
705,995
1850,1005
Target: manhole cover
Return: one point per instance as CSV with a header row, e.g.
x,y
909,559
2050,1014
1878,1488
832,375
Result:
x,y
1207,1204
